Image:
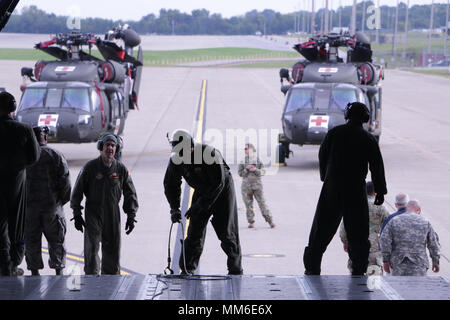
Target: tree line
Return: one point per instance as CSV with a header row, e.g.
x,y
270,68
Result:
x,y
201,22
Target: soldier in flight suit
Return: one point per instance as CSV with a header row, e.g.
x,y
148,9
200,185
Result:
x,y
19,150
103,181
251,170
204,169
344,158
48,189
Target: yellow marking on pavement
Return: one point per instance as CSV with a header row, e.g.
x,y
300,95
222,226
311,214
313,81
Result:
x,y
262,255
191,193
79,259
279,164
198,137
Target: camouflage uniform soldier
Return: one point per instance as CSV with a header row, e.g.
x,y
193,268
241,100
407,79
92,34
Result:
x,y
251,170
403,244
377,215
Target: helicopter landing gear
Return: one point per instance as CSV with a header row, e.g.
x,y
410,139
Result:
x,y
283,153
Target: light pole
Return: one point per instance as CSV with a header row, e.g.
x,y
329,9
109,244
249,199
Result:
x,y
331,16
304,20
405,41
353,21
431,26
363,22
378,26
394,38
446,30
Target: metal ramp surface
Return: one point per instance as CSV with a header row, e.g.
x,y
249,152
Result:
x,y
247,287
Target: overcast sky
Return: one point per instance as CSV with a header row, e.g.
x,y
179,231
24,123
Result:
x,y
135,9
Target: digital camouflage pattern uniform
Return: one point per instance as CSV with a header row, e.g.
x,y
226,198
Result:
x,y
252,187
48,189
377,215
404,241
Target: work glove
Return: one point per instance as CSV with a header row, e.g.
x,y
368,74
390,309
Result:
x,y
379,199
129,225
175,215
79,222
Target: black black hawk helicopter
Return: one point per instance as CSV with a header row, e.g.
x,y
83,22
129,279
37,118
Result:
x,y
81,97
321,85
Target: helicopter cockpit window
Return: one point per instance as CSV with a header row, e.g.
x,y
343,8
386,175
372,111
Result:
x,y
300,99
341,97
77,99
53,98
322,98
32,98
95,100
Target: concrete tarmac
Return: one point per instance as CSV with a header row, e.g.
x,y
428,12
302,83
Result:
x,y
414,144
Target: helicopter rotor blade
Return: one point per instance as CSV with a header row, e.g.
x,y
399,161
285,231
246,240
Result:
x,y
56,52
111,51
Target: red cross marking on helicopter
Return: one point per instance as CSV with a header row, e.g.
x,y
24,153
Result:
x,y
48,120
318,121
65,68
328,70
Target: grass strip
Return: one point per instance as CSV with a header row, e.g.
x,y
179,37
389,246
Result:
x,y
167,57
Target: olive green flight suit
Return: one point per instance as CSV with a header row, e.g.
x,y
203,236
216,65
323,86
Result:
x,y
20,149
214,196
103,188
48,190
